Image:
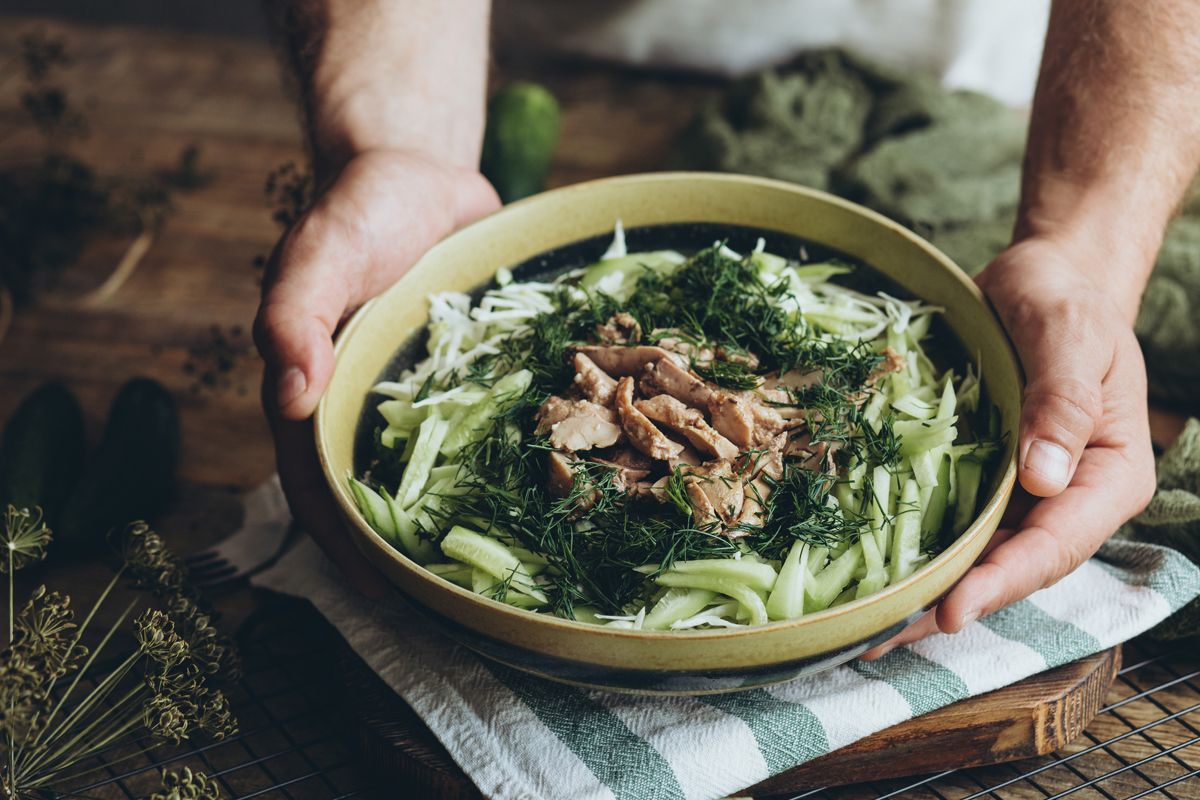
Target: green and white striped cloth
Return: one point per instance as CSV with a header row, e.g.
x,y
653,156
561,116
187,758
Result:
x,y
522,738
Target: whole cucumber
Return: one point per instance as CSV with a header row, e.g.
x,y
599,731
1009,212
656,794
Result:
x,y
42,451
519,140
132,475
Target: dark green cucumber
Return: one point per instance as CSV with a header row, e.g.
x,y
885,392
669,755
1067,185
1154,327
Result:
x,y
42,451
132,475
518,143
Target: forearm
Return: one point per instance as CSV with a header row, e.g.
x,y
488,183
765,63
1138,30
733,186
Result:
x,y
389,74
1115,138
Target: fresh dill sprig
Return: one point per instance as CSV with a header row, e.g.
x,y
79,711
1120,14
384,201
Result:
x,y
727,374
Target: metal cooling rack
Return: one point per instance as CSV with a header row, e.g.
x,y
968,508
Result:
x,y
1144,742
295,743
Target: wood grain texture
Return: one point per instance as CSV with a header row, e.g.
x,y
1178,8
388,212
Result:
x,y
147,94
1034,717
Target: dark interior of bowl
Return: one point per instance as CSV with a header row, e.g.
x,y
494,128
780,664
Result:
x,y
942,345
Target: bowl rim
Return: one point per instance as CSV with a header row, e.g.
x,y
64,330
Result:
x,y
999,497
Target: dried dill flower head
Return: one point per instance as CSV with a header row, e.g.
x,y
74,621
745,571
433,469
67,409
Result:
x,y
150,563
212,651
25,537
163,686
22,696
44,635
180,705
183,784
159,641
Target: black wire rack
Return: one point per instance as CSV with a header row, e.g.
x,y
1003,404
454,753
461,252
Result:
x,y
1145,742
296,740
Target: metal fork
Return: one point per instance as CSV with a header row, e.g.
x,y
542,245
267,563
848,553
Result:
x,y
267,533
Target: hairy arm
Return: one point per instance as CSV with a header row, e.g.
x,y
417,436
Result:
x,y
1115,134
388,75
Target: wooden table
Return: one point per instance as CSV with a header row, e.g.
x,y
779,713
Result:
x,y
147,94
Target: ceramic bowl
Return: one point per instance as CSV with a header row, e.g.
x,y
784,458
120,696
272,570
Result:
x,y
571,227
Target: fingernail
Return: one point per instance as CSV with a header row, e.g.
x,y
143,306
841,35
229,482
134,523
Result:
x,y
1049,460
970,617
291,385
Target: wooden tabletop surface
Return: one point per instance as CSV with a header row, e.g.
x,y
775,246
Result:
x,y
147,94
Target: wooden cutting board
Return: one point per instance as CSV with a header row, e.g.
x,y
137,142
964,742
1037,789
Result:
x,y
1033,717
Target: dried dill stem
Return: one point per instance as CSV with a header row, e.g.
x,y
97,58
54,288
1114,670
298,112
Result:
x,y
165,688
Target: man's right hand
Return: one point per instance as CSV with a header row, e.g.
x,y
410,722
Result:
x,y
377,217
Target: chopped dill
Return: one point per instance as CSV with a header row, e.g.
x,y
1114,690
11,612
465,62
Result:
x,y
596,537
727,374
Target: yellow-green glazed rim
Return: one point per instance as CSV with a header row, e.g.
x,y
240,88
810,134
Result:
x,y
470,258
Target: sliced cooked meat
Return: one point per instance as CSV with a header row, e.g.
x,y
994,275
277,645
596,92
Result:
x,y
676,381
641,431
624,478
596,384
666,410
689,350
553,411
645,490
780,391
767,421
799,444
630,458
687,457
562,475
563,468
765,461
743,357
703,512
619,361
646,384
733,417
715,488
753,513
892,362
812,455
621,328
578,424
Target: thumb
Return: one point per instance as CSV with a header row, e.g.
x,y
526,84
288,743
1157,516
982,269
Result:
x,y
306,292
1065,361
383,212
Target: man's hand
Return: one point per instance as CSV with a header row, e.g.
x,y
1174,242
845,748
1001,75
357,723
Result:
x,y
1084,445
381,213
1111,151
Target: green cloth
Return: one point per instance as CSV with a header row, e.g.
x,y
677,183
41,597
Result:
x,y
1173,519
947,164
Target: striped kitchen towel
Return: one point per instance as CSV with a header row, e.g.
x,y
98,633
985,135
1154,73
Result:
x,y
522,738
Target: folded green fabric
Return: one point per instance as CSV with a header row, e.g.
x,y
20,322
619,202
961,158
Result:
x,y
1173,519
947,163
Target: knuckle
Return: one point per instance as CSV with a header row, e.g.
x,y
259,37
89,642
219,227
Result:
x,y
1070,402
268,328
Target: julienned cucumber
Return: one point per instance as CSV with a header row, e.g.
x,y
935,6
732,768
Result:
x,y
518,143
42,452
132,474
